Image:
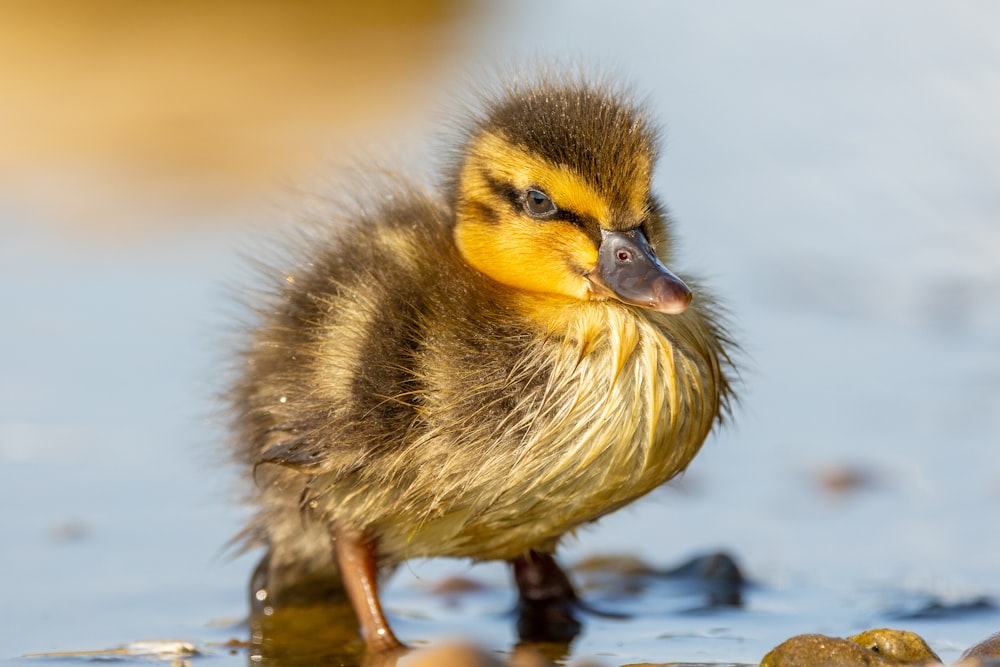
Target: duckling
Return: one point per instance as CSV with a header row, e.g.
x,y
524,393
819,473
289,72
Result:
x,y
478,370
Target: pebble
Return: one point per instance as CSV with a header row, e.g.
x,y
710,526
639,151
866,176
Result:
x,y
902,646
450,655
823,651
988,649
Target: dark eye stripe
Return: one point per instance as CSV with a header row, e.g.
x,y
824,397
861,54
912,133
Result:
x,y
566,215
503,190
512,196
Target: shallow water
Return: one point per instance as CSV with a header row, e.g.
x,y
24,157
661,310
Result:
x,y
833,172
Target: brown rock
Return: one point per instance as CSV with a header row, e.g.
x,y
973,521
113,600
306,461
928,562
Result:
x,y
823,651
846,479
901,646
623,565
458,585
527,656
988,648
451,655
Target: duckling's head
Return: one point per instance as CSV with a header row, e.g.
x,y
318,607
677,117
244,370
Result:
x,y
552,198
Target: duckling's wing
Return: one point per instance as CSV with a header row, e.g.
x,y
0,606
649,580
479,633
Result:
x,y
331,371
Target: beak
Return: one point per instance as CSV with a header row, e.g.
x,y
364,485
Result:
x,y
629,270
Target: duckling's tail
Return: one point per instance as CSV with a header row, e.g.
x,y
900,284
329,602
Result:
x,y
278,583
297,569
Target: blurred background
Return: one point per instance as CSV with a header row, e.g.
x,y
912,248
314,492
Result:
x,y
833,169
145,111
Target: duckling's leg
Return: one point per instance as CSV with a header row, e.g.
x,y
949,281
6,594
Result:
x,y
358,562
546,599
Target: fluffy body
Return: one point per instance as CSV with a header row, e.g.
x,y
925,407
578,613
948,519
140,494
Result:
x,y
440,377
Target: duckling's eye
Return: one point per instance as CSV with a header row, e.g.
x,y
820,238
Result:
x,y
538,204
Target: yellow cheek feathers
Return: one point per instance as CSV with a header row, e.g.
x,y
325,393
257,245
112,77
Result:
x,y
541,257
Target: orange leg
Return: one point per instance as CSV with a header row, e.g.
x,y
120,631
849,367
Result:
x,y
359,570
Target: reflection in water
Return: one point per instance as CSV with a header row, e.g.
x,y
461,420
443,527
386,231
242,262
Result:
x,y
548,620
313,634
328,634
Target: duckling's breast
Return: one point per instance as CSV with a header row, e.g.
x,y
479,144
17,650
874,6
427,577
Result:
x,y
558,430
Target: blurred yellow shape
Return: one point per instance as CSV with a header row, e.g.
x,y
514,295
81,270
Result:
x,y
180,92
